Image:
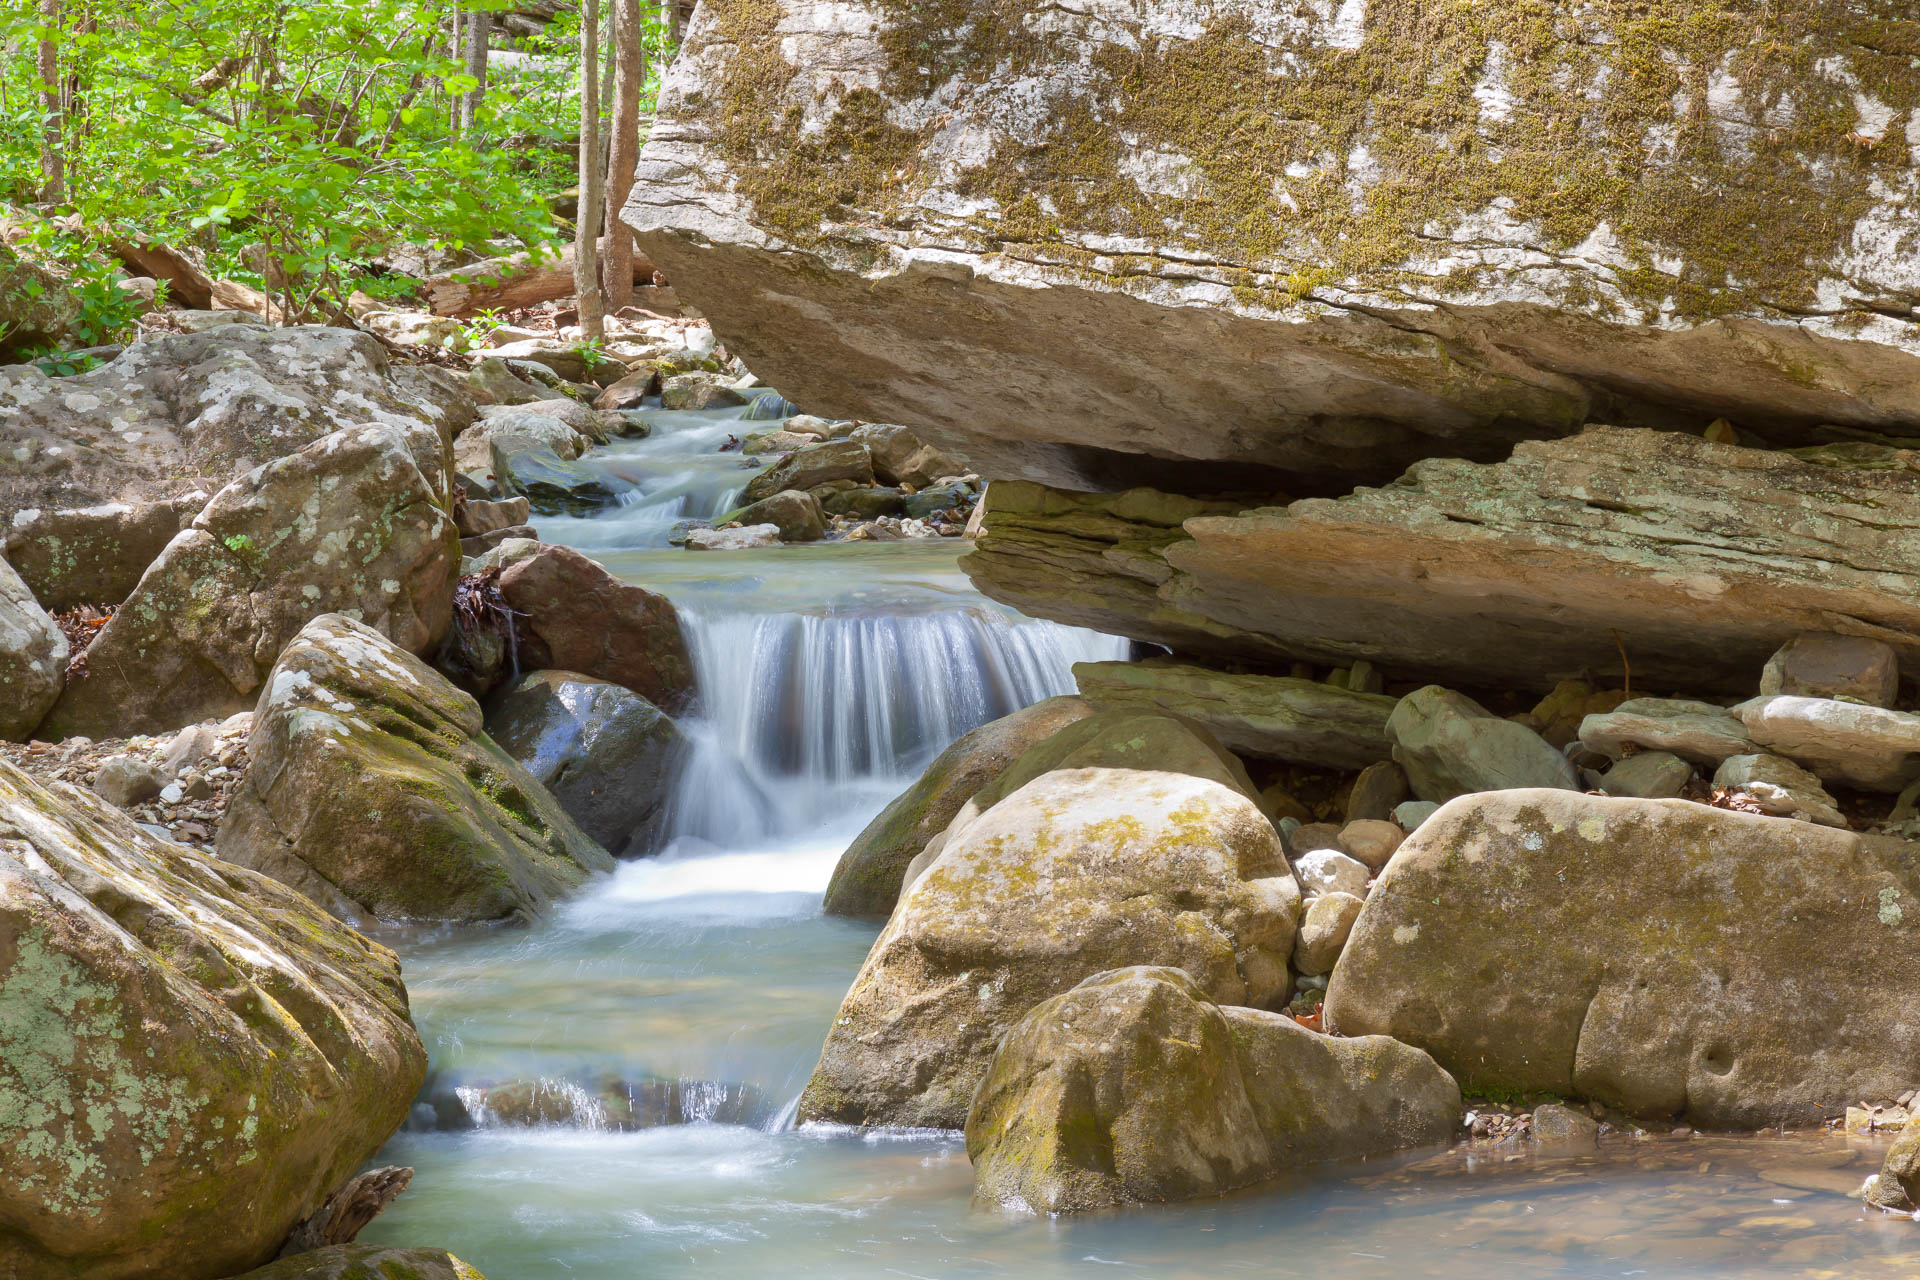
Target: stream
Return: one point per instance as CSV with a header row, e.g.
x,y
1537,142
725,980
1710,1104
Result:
x,y
707,977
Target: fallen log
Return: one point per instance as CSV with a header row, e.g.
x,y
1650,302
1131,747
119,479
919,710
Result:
x,y
520,280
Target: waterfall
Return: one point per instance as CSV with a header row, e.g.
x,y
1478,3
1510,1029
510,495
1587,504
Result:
x,y
810,718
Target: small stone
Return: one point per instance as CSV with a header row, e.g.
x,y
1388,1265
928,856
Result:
x,y
1820,665
1376,791
1316,835
1780,787
172,793
758,535
1324,930
190,746
1412,813
1648,775
124,781
1557,1125
1371,842
1330,871
196,787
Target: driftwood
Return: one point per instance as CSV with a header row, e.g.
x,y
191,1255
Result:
x,y
507,283
348,1210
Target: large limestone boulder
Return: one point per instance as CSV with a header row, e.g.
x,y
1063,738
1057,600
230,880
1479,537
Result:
x,y
355,522
1136,1087
1079,871
1096,246
1680,961
366,1262
1449,745
193,1056
33,658
372,790
93,555
1272,717
185,411
1698,559
573,615
866,881
608,755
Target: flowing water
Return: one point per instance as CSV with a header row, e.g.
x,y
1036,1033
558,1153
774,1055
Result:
x,y
704,981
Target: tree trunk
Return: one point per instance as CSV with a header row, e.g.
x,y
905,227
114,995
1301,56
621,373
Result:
x,y
479,30
630,77
53,158
586,256
507,284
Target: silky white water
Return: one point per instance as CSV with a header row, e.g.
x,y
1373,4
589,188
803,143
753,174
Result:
x,y
829,676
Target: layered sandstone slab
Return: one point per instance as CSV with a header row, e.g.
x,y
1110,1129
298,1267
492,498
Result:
x,y
1697,560
1158,242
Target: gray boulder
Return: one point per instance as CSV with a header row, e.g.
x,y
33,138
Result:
x,y
1648,775
1079,871
33,658
1846,742
1780,787
1696,731
815,464
1822,665
1136,1087
606,754
93,555
1450,745
796,515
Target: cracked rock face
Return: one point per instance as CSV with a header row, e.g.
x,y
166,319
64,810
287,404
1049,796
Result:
x,y
1757,986
1190,244
1698,559
180,411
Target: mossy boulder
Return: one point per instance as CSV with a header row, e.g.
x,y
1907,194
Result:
x,y
33,658
1679,961
609,756
356,522
866,881
193,1057
366,1262
372,789
1136,1087
1079,871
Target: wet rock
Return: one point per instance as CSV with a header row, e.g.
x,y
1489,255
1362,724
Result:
x,y
743,539
1648,775
1137,1087
366,1262
796,515
866,881
372,790
1077,872
478,516
1897,1185
901,457
1558,536
1273,717
609,756
1697,731
699,391
125,781
576,616
1559,1126
494,383
1779,786
490,444
181,412
1324,929
631,391
93,555
1823,665
815,464
196,1056
554,485
1399,311
1371,842
33,658
1715,999
1450,745
1846,742
355,521
1330,871
1380,786
760,442
865,504
930,502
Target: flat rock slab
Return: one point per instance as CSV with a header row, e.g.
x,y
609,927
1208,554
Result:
x,y
1681,961
1272,717
1699,560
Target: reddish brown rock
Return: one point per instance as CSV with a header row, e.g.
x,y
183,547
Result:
x,y
579,617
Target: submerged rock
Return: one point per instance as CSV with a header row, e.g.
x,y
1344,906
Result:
x,y
33,658
866,881
1079,871
746,538
1309,292
372,789
551,483
194,1056
355,522
366,1262
1528,571
1272,717
1137,1087
1680,961
608,755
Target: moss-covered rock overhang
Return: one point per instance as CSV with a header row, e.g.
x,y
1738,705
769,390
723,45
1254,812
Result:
x,y
1401,194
